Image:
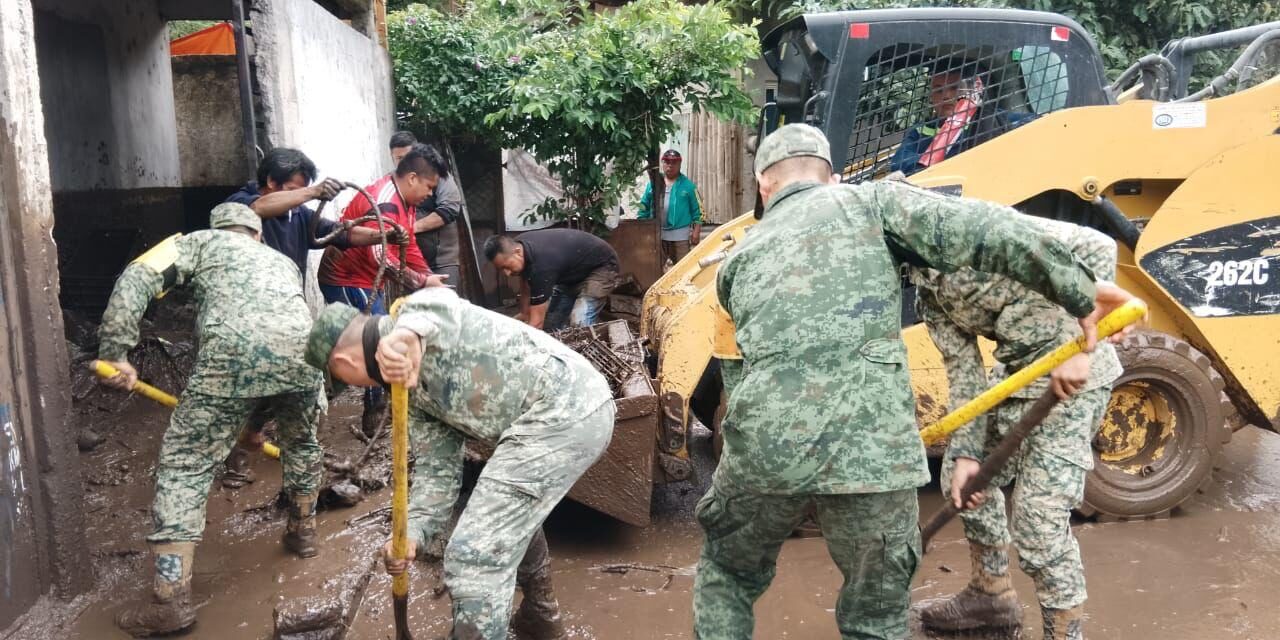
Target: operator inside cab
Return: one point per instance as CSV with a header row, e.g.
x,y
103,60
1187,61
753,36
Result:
x,y
956,95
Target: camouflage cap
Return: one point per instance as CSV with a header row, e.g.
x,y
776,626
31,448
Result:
x,y
232,214
325,332
792,141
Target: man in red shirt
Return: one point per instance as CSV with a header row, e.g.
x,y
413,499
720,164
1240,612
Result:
x,y
347,275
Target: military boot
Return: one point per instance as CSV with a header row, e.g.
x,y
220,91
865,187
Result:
x,y
169,609
538,617
988,602
238,473
300,533
1063,624
375,413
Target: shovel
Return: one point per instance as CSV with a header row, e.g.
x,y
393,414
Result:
x,y
105,371
1129,313
991,465
400,505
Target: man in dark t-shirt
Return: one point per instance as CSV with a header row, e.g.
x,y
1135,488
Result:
x,y
279,197
564,274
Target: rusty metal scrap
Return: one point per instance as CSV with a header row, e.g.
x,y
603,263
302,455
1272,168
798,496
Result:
x,y
618,363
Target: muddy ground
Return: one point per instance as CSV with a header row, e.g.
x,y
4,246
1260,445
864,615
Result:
x,y
1206,572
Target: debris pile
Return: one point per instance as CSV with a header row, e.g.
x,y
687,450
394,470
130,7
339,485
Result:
x,y
618,362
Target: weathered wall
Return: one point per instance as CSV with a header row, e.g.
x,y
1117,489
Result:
x,y
107,93
41,527
207,105
326,89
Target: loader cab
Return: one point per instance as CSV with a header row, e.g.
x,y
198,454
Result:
x,y
883,84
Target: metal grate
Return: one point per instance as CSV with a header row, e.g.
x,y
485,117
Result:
x,y
919,105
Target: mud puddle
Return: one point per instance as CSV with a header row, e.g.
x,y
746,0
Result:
x,y
1206,572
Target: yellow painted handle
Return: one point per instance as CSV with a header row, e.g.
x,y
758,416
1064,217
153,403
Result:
x,y
400,484
1129,313
105,370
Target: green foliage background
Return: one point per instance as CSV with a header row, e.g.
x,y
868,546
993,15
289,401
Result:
x,y
590,94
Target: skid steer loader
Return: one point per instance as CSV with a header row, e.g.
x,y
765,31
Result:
x,y
1185,184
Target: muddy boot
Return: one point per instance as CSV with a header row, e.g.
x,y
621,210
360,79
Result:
x,y
1063,624
538,617
300,533
238,473
170,607
988,602
375,413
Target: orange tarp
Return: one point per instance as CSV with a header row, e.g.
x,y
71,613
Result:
x,y
214,41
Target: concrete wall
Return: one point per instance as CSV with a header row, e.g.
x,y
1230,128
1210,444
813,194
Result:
x,y
42,546
108,106
108,94
326,89
207,102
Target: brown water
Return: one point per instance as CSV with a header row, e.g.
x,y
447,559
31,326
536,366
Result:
x,y
1207,572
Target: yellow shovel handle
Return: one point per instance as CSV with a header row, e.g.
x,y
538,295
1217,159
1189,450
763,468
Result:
x,y
105,370
400,484
1129,313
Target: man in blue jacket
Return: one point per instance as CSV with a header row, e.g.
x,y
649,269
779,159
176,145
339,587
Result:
x,y
683,225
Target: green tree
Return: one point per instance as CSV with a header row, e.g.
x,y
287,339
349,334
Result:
x,y
180,28
590,94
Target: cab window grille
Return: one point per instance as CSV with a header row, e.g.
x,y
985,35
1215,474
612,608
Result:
x,y
920,105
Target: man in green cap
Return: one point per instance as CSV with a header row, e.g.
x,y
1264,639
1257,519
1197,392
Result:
x,y
820,407
253,327
478,374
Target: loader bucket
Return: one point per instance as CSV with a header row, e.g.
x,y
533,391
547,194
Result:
x,y
620,483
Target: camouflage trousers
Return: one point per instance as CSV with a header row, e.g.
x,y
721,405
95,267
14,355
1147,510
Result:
x,y
1048,473
874,539
201,433
534,465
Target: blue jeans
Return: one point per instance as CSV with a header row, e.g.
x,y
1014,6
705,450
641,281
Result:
x,y
566,306
359,298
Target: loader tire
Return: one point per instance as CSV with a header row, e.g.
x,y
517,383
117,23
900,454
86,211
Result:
x,y
1164,427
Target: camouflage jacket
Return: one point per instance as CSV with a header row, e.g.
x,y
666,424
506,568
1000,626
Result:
x,y
481,372
958,307
252,321
824,402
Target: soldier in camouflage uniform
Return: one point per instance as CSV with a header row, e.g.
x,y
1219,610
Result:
x,y
1052,463
253,327
478,374
821,410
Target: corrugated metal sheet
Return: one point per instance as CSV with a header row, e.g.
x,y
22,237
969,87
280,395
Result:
x,y
714,163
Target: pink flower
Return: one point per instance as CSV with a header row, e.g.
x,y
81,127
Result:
x,y
411,21
514,59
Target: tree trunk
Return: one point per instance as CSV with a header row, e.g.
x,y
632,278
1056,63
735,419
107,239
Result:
x,y
657,201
